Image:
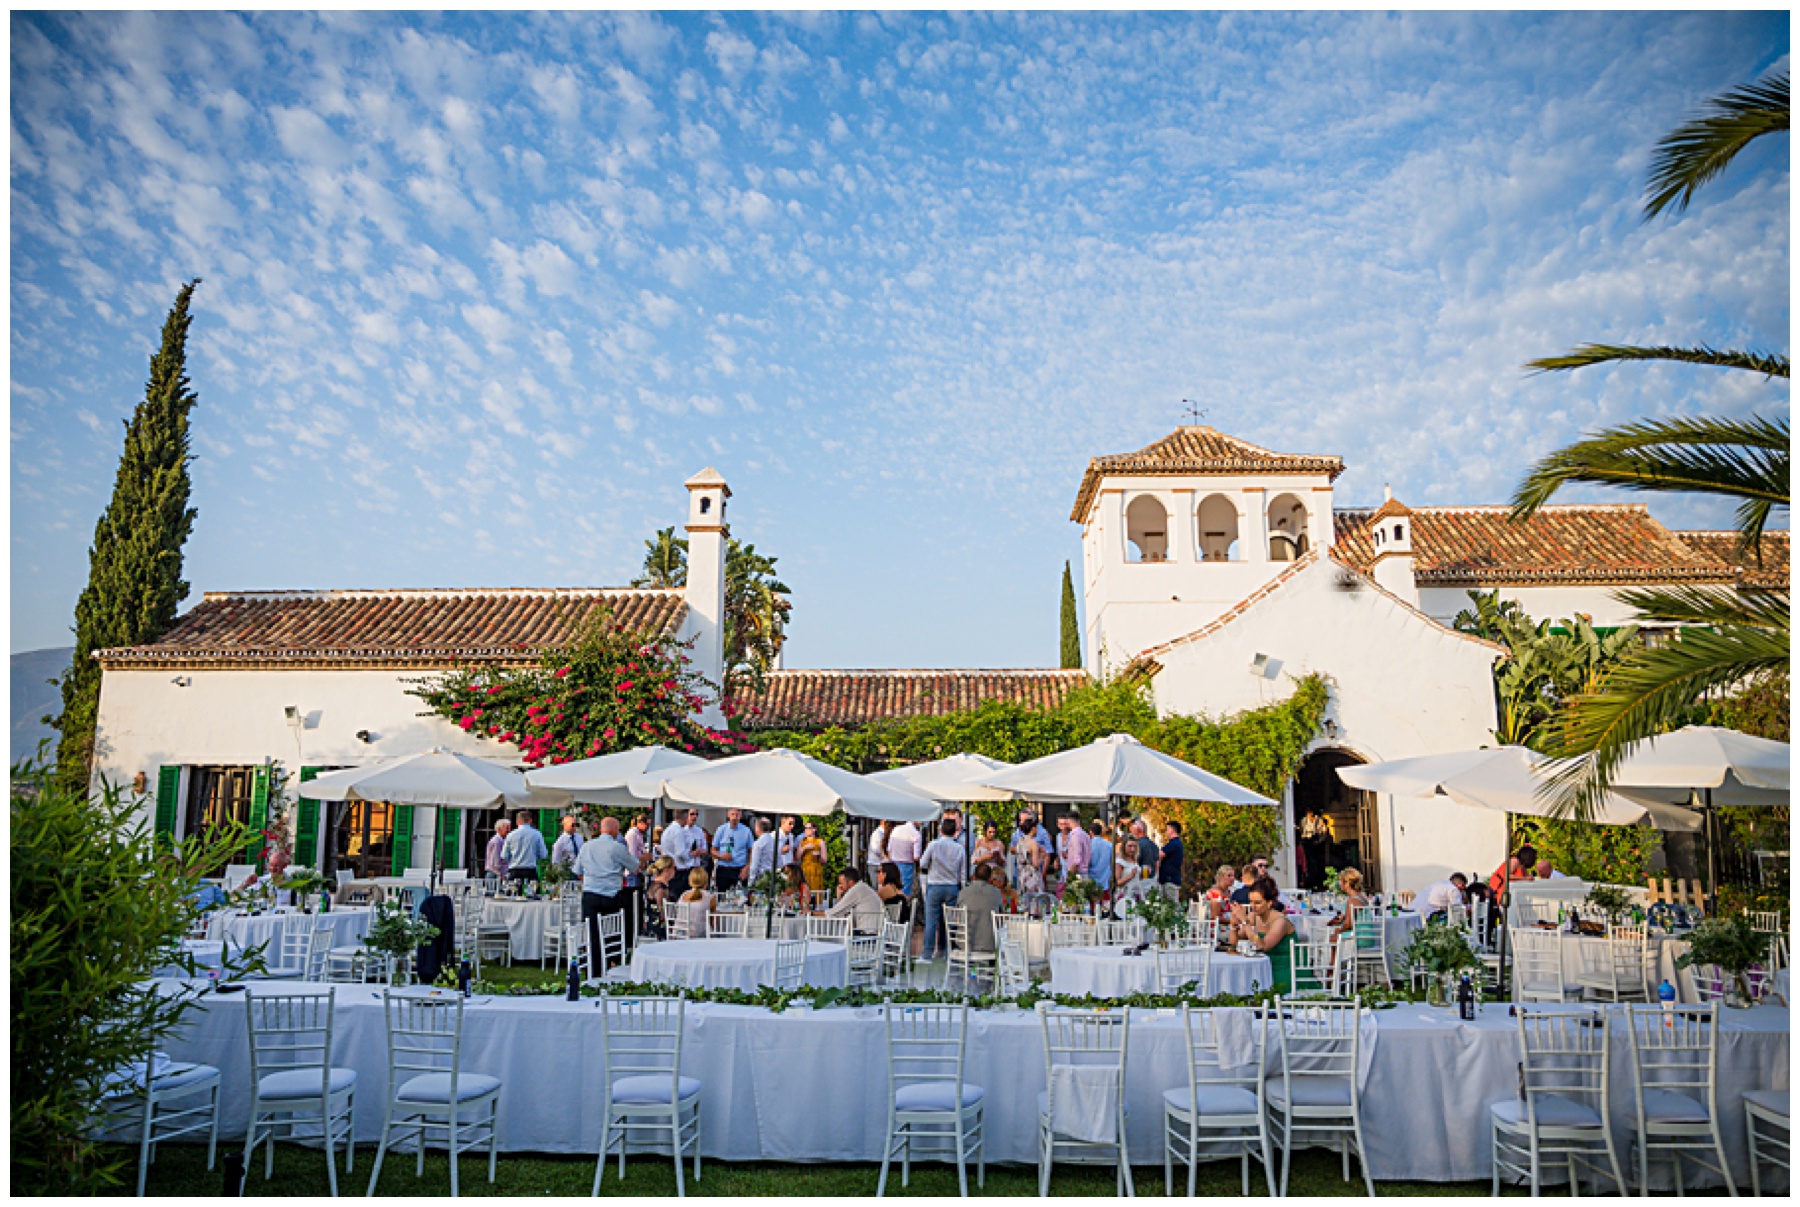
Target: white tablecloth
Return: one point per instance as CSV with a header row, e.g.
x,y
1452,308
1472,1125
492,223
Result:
x,y
809,1085
729,963
526,921
1109,972
349,925
1397,929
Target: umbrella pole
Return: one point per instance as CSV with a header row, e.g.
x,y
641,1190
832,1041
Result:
x,y
1712,855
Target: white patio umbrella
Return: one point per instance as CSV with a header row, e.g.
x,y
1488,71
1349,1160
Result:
x,y
783,781
1116,766
950,779
606,780
1505,778
438,778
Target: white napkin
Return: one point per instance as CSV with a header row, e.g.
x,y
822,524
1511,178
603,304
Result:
x,y
1234,1030
1084,1102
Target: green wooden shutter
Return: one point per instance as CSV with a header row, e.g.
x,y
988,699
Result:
x,y
306,826
168,802
547,824
403,830
450,822
259,816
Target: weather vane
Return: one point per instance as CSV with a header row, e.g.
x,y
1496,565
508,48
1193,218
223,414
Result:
x,y
1195,412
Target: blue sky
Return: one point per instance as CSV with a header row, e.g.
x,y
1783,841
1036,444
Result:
x,y
481,291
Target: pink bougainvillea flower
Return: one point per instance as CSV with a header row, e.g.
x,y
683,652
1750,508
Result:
x,y
627,685
563,673
609,732
467,722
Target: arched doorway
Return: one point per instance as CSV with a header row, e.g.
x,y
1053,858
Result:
x,y
1334,824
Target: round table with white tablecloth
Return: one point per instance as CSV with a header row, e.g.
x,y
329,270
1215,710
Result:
x,y
1397,929
348,926
730,963
525,920
1111,972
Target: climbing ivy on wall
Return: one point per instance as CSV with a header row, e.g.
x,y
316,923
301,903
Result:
x,y
1260,748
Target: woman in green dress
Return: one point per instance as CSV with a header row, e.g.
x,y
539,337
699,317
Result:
x,y
1268,927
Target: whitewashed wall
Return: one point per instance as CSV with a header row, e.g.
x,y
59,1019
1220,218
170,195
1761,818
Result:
x,y
1403,687
1540,603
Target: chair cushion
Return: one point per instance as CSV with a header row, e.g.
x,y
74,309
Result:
x,y
302,1083
1213,1100
649,1089
1310,1091
1773,1101
935,1096
1552,1111
1667,1106
435,1087
184,1077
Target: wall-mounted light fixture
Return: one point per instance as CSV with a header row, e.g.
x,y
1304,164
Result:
x,y
139,783
292,713
181,681
1331,729
1259,666
364,736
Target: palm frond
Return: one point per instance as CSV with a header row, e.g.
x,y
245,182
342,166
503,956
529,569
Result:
x,y
1741,459
1697,151
1770,364
1648,693
1749,607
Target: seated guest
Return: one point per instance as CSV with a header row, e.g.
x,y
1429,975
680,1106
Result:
x,y
1546,872
697,892
887,883
1268,928
982,900
797,894
1240,892
662,880
1440,895
859,901
1218,897
1350,884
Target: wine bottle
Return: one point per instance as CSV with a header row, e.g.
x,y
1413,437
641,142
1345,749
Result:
x,y
1465,999
463,974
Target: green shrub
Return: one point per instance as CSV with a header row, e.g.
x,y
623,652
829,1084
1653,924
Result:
x,y
1605,854
97,905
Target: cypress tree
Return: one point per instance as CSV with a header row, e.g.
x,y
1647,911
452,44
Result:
x,y
134,566
1071,629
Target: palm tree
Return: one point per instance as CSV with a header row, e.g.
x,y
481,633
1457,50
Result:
x,y
756,603
665,561
1727,636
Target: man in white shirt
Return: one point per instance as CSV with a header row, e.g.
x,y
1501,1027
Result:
x,y
684,841
1440,895
903,852
878,846
603,865
524,849
946,870
763,852
568,844
858,900
673,842
787,845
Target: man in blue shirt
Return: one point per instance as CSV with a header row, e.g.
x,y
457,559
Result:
x,y
603,864
1100,857
730,850
1168,869
524,849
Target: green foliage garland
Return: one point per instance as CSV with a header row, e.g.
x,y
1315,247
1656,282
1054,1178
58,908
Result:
x,y
134,565
608,688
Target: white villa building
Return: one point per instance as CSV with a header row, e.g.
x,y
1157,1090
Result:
x,y
1222,570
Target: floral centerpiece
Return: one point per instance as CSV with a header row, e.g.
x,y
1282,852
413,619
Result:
x,y
1610,900
1162,914
1080,892
551,873
1732,946
1443,951
396,933
302,882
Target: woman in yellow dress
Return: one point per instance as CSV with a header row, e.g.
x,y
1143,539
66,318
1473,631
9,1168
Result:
x,y
812,858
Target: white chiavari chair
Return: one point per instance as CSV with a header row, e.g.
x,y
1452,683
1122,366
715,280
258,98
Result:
x,y
1562,1114
1084,1060
1220,1113
928,1099
645,1091
292,1081
428,1089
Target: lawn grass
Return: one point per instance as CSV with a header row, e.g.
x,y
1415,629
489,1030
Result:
x,y
180,1169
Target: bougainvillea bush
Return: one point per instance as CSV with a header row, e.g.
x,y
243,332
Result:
x,y
608,688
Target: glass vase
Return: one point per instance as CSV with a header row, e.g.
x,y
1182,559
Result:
x,y
1439,990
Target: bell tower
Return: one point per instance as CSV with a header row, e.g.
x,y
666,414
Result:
x,y
1390,532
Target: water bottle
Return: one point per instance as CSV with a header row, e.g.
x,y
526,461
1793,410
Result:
x,y
1665,997
324,902
1465,999
463,974
574,993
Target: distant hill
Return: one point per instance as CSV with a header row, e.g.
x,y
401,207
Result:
x,y
33,697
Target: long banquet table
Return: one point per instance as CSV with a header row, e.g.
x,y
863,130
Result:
x,y
810,1085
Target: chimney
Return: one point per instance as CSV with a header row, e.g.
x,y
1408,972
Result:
x,y
706,531
1390,533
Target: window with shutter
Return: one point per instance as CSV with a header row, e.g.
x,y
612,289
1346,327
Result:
x,y
306,826
168,801
403,832
548,825
259,816
450,824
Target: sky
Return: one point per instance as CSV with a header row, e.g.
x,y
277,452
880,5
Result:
x,y
480,291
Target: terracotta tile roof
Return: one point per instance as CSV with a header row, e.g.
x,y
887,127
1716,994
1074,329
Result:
x,y
814,699
1198,450
407,628
1722,547
1572,544
1149,662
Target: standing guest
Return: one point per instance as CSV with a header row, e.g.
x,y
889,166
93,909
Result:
x,y
1519,867
637,841
1269,928
524,849
1100,857
603,865
672,845
1031,858
903,851
1028,830
731,850
1440,895
1149,854
1072,847
495,863
762,853
1219,897
787,844
862,903
1126,869
982,900
946,870
698,847
878,838
568,844
812,857
1168,867
1121,828
989,850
